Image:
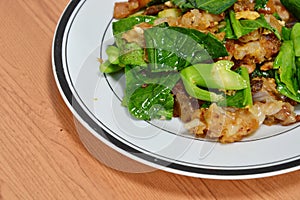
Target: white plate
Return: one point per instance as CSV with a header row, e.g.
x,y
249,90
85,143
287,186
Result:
x,y
82,33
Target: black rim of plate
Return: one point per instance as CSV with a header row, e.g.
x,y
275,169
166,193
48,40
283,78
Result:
x,y
193,171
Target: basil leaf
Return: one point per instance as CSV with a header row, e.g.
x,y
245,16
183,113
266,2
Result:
x,y
212,6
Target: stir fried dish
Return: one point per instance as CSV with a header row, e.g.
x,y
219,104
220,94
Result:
x,y
224,67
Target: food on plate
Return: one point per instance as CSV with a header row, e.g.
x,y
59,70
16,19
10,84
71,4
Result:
x,y
224,67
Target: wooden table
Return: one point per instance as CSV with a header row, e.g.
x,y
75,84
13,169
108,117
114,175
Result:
x,y
42,157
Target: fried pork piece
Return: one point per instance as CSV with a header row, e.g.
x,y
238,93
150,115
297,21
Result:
x,y
244,5
269,106
184,104
154,10
281,11
264,90
201,20
276,112
232,124
124,9
196,19
137,34
252,49
286,116
226,124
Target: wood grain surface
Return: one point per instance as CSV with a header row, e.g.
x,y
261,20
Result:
x,y
41,155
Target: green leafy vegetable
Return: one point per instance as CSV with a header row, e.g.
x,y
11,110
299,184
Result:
x,y
151,102
216,75
123,25
286,33
281,87
242,98
260,4
131,54
295,37
138,76
298,68
243,27
212,76
277,16
125,54
285,62
247,91
259,73
108,67
228,29
113,54
288,64
128,23
156,2
293,6
174,48
128,53
174,53
212,6
148,95
112,64
199,93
